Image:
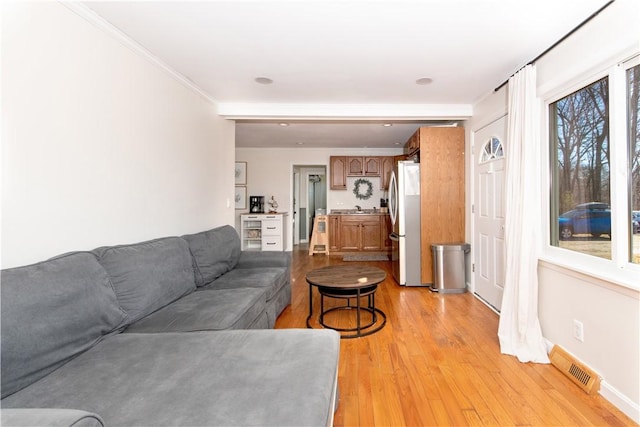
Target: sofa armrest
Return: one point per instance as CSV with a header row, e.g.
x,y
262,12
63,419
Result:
x,y
49,417
256,259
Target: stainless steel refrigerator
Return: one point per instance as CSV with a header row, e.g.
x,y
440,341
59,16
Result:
x,y
404,209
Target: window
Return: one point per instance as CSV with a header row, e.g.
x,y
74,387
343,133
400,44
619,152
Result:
x,y
580,196
594,213
633,137
492,150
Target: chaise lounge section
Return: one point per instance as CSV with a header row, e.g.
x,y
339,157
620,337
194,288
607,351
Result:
x,y
173,331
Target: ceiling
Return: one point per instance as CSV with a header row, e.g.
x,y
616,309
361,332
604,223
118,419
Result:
x,y
341,68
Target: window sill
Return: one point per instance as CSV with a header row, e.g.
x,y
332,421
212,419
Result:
x,y
599,272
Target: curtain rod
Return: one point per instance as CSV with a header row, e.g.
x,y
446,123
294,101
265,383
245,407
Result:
x,y
533,61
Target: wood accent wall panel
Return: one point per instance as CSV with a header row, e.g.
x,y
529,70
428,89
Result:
x,y
441,191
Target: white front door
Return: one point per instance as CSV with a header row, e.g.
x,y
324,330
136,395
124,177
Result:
x,y
489,258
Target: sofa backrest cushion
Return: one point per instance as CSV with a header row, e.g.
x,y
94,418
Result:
x,y
51,312
214,252
147,276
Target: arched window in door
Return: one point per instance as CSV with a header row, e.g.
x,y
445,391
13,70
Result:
x,y
492,150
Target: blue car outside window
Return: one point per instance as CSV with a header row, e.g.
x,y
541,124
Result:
x,y
591,218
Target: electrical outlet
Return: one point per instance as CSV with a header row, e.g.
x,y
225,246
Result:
x,y
578,330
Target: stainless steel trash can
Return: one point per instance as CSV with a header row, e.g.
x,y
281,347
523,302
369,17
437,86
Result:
x,y
449,271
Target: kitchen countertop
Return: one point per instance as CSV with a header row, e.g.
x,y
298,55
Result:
x,y
357,212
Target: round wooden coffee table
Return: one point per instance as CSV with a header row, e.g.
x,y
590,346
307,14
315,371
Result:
x,y
346,281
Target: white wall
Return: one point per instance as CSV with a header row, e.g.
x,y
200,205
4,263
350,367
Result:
x,y
99,145
270,172
610,313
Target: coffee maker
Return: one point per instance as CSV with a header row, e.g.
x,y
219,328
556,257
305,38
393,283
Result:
x,y
256,204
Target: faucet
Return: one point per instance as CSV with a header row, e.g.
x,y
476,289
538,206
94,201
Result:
x,y
359,208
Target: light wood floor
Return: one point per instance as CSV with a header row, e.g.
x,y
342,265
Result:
x,y
437,362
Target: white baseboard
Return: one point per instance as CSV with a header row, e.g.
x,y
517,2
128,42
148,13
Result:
x,y
620,401
549,344
613,396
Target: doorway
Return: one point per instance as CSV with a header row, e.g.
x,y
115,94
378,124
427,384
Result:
x,y
309,195
489,212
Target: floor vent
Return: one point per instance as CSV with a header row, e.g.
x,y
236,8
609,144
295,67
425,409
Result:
x,y
577,372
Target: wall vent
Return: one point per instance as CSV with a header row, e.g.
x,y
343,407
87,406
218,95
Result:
x,y
576,371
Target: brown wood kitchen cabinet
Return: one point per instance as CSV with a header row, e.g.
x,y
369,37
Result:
x,y
413,144
372,166
341,167
387,228
363,166
334,233
338,172
360,233
355,166
386,167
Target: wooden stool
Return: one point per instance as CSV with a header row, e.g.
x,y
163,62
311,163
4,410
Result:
x,y
320,238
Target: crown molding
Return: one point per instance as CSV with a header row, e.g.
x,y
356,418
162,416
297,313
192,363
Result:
x,y
102,24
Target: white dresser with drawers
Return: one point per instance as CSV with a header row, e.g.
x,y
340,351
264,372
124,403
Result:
x,y
263,232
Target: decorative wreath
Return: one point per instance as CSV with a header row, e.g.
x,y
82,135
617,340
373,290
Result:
x,y
358,193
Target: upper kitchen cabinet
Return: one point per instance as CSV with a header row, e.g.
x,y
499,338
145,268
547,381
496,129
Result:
x,y
372,166
386,167
348,166
413,144
363,166
355,166
338,172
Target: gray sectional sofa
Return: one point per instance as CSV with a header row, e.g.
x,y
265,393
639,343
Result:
x,y
173,331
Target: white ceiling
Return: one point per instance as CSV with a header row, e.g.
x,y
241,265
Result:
x,y
344,60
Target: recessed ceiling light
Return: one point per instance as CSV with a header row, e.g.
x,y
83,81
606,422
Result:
x,y
300,143
424,81
283,124
396,143
263,80
387,125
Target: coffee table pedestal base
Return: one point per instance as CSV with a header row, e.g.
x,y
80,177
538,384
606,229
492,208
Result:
x,y
359,330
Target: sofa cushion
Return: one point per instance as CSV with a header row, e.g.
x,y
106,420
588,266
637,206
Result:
x,y
271,280
49,417
280,377
149,275
213,310
51,312
214,252
260,259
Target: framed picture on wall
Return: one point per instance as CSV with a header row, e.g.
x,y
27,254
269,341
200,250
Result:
x,y
241,173
241,197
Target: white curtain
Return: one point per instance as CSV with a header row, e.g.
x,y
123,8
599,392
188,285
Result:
x,y
519,329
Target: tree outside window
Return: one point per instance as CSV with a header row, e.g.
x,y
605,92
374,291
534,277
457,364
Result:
x,y
580,198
